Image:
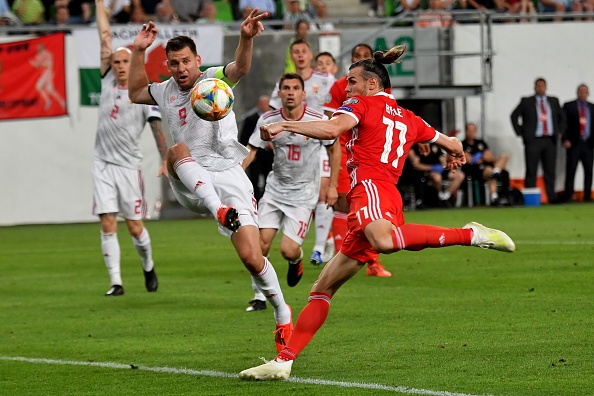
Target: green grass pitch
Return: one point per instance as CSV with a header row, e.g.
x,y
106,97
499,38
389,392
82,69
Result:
x,y
452,321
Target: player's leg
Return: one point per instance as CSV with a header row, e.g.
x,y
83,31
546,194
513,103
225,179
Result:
x,y
323,214
181,166
258,303
105,205
234,188
133,207
295,224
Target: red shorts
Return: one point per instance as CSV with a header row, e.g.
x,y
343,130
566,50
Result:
x,y
344,180
370,200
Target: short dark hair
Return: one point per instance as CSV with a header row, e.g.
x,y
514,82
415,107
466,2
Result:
x,y
291,76
299,41
325,53
361,45
179,43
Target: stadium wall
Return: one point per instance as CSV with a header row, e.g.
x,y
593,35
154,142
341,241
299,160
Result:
x,y
46,163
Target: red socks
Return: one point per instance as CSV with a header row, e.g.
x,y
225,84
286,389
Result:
x,y
420,236
311,318
339,229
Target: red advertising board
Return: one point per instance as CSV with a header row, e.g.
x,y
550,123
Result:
x,y
33,78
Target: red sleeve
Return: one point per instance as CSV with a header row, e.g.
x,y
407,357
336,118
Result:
x,y
337,96
425,132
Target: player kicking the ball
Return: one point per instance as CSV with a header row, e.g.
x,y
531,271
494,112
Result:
x,y
204,163
380,136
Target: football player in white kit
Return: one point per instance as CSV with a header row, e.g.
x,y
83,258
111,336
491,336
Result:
x,y
292,188
317,89
118,185
204,164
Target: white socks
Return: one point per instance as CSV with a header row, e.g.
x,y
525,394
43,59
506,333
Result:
x,y
110,247
197,179
143,247
267,282
258,295
323,221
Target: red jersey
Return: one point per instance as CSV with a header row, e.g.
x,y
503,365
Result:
x,y
379,144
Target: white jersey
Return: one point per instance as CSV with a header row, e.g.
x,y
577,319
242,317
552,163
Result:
x,y
120,125
213,144
317,91
295,176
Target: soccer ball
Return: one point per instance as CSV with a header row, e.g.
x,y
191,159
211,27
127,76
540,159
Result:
x,y
212,99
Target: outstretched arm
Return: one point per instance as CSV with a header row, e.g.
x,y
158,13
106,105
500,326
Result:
x,y
323,130
453,147
250,28
334,154
138,80
104,36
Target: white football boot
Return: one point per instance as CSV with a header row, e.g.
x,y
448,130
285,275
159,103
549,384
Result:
x,y
269,371
489,238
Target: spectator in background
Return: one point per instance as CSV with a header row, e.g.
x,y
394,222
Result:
x,y
433,167
542,122
149,6
208,13
522,8
484,5
406,6
7,18
437,14
61,16
80,11
579,141
137,14
296,14
321,15
246,6
30,12
165,14
187,10
301,30
326,63
559,7
118,10
262,165
481,163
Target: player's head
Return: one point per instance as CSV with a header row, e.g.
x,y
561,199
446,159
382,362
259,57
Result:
x,y
540,86
369,76
583,92
326,63
183,61
120,64
263,103
301,54
470,131
291,90
361,51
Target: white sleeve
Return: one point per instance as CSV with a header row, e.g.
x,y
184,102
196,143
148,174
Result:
x,y
157,92
151,111
255,139
275,102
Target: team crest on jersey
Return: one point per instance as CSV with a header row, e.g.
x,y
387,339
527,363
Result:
x,y
315,89
351,101
171,99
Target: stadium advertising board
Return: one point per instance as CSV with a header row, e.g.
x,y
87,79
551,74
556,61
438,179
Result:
x,y
209,41
32,78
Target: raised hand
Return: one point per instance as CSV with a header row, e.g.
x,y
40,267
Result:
x,y
252,26
145,37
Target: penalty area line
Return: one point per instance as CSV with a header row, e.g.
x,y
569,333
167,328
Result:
x,y
219,374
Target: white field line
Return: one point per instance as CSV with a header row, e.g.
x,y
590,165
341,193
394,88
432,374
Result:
x,y
208,373
535,242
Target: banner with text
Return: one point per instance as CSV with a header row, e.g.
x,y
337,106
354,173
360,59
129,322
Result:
x,y
32,78
209,42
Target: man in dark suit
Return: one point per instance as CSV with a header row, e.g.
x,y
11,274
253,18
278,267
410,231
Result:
x,y
542,123
262,165
579,141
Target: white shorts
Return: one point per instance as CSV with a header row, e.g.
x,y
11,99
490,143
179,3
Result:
x,y
324,163
294,221
117,189
234,189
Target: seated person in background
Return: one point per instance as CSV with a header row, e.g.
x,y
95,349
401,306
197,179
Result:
x,y
481,163
326,63
187,10
432,165
295,14
484,5
208,13
559,7
137,14
246,6
61,15
165,14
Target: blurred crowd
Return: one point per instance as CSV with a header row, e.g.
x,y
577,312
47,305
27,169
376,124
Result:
x,y
431,12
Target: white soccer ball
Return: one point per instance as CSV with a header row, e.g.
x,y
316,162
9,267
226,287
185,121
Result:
x,y
212,99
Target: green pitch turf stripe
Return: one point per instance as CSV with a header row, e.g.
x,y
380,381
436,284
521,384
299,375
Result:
x,y
219,374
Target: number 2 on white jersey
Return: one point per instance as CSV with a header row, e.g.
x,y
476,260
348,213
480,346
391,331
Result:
x,y
401,127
